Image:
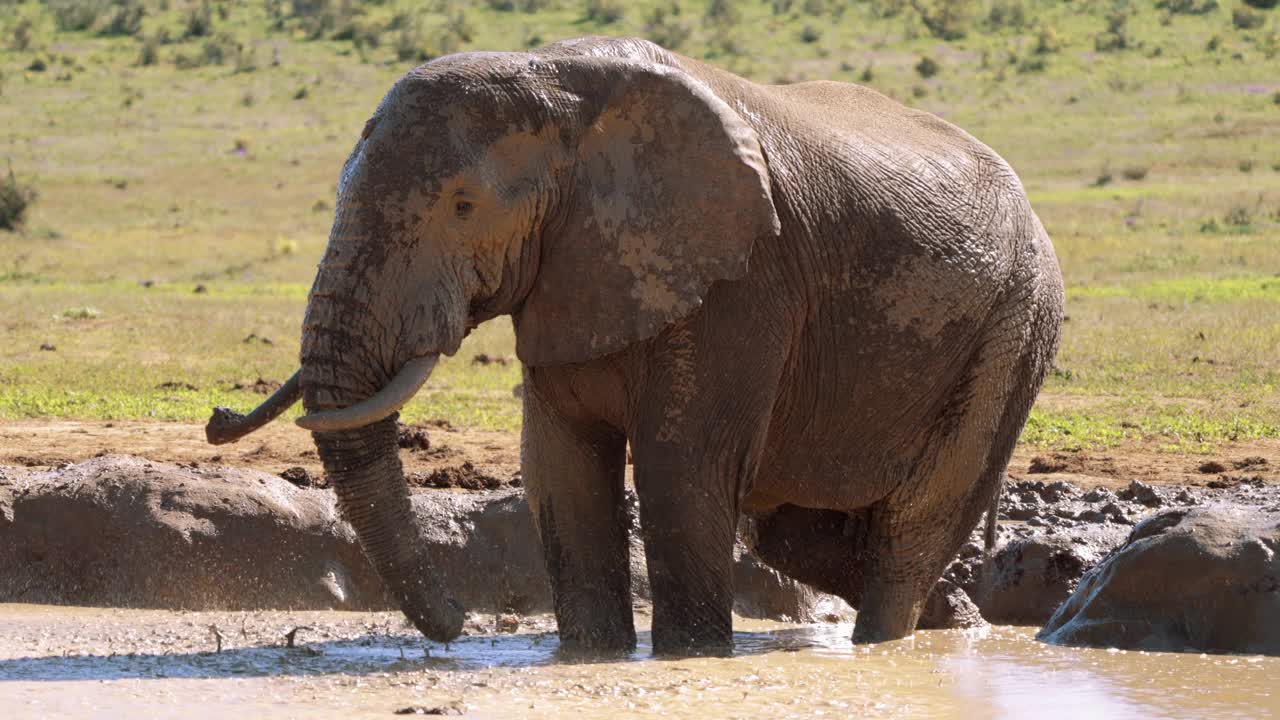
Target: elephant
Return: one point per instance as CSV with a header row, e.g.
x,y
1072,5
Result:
x,y
805,307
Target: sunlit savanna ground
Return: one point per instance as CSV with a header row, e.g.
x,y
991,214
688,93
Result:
x,y
1155,168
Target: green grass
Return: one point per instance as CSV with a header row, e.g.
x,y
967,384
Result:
x,y
1156,170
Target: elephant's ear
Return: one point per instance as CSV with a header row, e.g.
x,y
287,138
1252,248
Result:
x,y
670,192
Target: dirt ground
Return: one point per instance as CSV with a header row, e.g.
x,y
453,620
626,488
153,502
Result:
x,y
441,448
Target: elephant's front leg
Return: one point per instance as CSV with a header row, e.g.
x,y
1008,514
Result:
x,y
689,522
573,472
697,437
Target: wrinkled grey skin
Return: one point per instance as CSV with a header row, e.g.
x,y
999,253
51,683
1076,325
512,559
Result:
x,y
805,303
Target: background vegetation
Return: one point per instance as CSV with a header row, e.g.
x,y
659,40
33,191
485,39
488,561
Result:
x,y
171,168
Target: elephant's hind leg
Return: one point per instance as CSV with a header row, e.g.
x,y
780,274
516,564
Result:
x,y
821,548
914,532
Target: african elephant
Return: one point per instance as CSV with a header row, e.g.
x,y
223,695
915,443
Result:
x,y
806,303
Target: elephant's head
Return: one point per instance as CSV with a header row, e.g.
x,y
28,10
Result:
x,y
593,199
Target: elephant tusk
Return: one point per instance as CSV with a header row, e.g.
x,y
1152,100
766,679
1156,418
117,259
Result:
x,y
227,425
386,401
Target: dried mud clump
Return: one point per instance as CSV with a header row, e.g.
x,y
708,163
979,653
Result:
x,y
1212,467
464,476
1041,465
300,477
412,437
259,386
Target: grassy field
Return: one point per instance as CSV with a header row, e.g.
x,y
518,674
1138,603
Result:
x,y
185,159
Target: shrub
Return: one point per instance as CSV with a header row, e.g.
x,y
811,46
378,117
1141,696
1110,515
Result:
x,y
75,15
15,198
1004,13
1116,36
944,19
927,67
408,44
1047,41
1032,65
149,53
665,31
810,34
1188,7
457,26
1104,179
722,12
123,19
1245,19
199,21
604,12
1238,216
21,36
1262,4
1135,172
38,64
1245,165
213,52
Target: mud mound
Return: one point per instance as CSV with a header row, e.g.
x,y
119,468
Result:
x,y
1204,579
127,532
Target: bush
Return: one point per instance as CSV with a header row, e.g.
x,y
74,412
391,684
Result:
x,y
1007,14
604,12
722,12
38,65
1032,65
1238,216
21,36
927,67
75,15
1117,35
1188,7
149,53
944,19
199,21
123,19
1245,19
1047,41
1135,172
665,31
1262,4
15,198
810,34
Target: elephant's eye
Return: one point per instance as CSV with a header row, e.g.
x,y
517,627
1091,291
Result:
x,y
462,208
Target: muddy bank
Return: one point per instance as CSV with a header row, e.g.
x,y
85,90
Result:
x,y
122,531
130,532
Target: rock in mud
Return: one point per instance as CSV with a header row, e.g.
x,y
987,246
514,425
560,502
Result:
x,y
1029,577
948,608
121,531
1199,579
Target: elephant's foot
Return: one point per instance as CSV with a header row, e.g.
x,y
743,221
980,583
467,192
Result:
x,y
889,611
711,637
585,641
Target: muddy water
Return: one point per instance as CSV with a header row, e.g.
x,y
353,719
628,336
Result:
x,y
79,662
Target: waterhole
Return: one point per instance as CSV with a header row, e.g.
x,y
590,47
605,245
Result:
x,y
101,663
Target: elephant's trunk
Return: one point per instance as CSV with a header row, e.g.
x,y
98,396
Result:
x,y
363,466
